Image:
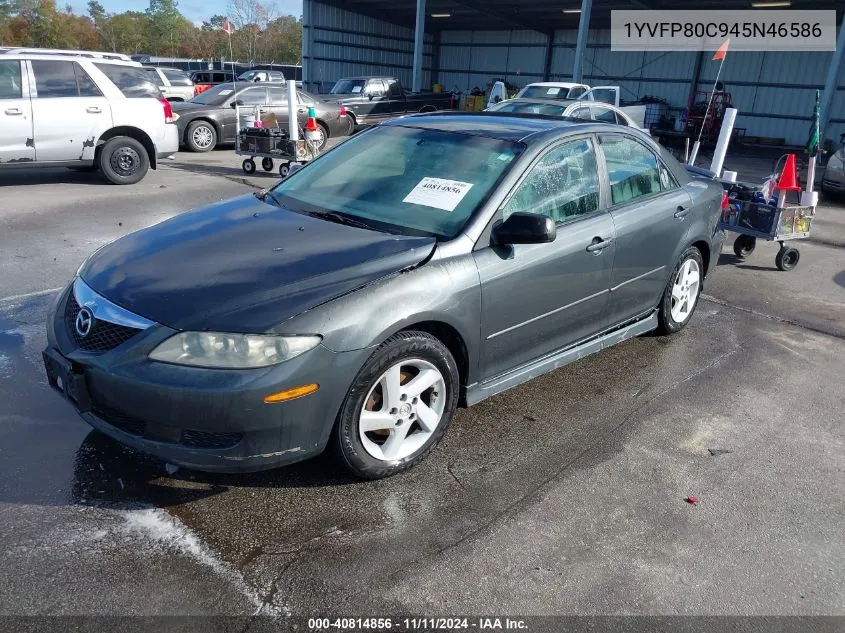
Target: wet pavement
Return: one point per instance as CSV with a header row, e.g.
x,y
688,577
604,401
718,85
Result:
x,y
563,496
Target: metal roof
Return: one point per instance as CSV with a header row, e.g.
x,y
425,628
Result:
x,y
538,15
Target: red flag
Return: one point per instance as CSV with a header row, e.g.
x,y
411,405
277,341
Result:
x,y
722,52
227,27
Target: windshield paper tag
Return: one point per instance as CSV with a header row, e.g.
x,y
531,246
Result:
x,y
553,91
223,93
356,89
438,193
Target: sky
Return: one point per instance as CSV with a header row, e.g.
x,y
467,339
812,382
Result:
x,y
194,10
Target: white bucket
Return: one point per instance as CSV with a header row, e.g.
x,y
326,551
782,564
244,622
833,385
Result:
x,y
729,176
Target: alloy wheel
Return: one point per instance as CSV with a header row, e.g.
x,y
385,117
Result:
x,y
202,137
685,290
402,410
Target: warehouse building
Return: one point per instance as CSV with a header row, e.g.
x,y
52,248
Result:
x,y
466,44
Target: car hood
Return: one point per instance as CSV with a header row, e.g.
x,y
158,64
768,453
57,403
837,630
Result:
x,y
243,265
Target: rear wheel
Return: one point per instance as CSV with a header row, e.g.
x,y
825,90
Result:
x,y
267,164
124,160
682,291
248,166
398,406
201,136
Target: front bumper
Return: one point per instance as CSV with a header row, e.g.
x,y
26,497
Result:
x,y
833,180
204,419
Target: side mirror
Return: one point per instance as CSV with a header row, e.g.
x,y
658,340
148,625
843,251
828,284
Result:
x,y
525,228
237,102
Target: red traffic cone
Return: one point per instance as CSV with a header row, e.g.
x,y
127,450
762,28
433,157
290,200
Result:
x,y
788,180
312,132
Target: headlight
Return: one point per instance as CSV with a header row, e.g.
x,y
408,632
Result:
x,y
231,351
836,162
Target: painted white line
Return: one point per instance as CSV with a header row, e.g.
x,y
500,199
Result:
x,y
30,295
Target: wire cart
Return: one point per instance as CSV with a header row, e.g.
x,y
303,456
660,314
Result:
x,y
270,144
754,220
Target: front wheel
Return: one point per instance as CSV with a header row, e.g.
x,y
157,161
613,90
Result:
x,y
681,294
398,406
267,164
248,166
787,258
124,160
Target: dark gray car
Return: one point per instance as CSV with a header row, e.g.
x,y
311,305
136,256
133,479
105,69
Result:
x,y
429,262
208,119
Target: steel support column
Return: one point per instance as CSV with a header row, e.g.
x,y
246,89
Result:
x,y
307,45
419,42
831,82
547,64
583,33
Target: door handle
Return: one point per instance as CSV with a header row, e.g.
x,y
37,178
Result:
x,y
14,111
93,110
598,245
681,212
302,110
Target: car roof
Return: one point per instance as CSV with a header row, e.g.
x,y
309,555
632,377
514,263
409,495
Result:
x,y
508,126
555,102
555,84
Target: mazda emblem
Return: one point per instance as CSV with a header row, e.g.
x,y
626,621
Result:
x,y
84,321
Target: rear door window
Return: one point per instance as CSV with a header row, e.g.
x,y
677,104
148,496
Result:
x,y
132,81
54,79
605,115
11,84
633,170
177,77
152,75
86,85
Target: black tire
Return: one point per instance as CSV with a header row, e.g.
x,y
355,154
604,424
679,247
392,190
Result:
x,y
787,258
267,164
197,132
124,160
744,245
666,322
346,439
248,166
350,125
284,169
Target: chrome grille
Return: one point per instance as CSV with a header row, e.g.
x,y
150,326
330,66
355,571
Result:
x,y
104,336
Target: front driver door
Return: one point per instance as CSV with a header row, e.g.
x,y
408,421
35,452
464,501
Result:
x,y
538,298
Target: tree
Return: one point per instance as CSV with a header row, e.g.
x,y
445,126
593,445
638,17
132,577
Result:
x,y
250,18
164,33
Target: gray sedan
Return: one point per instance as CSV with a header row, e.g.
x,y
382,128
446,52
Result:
x,y
427,263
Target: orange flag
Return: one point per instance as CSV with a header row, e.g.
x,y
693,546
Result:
x,y
722,52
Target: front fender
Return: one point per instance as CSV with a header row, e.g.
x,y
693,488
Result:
x,y
441,291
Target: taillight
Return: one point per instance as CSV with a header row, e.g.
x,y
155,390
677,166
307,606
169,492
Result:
x,y
196,90
168,111
342,110
724,200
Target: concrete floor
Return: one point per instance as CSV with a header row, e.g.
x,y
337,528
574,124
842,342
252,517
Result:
x,y
563,496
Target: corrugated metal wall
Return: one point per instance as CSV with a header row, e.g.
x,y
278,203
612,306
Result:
x,y
344,44
774,92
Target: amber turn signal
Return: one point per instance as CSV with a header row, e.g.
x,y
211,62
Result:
x,y
291,394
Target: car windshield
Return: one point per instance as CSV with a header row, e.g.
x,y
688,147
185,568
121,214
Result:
x,y
402,179
216,95
522,107
348,86
546,92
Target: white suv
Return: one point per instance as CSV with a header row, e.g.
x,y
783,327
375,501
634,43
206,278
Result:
x,y
175,85
82,110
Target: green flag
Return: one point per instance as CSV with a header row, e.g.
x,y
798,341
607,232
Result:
x,y
813,141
